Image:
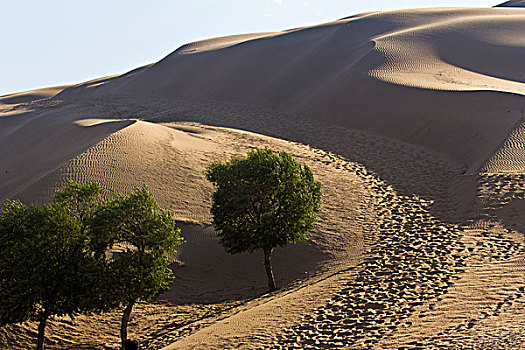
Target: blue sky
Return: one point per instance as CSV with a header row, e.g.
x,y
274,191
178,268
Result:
x,y
54,42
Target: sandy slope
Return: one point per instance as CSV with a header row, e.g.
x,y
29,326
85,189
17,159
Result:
x,y
413,121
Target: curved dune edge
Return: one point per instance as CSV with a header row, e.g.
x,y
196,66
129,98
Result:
x,y
93,122
36,143
219,43
423,56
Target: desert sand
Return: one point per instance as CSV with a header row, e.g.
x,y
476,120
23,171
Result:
x,y
413,120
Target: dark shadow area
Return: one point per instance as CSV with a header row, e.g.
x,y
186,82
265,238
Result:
x,y
23,98
503,196
512,3
206,273
497,61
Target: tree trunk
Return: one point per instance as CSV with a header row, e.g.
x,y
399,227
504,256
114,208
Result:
x,y
124,325
268,266
41,333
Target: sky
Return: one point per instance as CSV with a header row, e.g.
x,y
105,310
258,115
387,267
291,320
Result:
x,y
54,42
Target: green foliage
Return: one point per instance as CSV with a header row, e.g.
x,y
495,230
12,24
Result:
x,y
263,200
81,200
43,265
146,234
46,267
56,258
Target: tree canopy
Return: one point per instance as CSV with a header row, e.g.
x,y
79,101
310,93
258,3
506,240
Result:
x,y
81,200
61,258
146,236
44,264
262,201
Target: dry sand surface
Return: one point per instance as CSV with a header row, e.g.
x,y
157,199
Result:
x,y
413,121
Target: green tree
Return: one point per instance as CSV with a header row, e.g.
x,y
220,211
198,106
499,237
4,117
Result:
x,y
146,236
81,200
43,266
262,201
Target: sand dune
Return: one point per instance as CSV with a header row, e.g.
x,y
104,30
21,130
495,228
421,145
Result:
x,y
435,71
413,120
